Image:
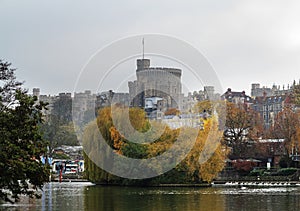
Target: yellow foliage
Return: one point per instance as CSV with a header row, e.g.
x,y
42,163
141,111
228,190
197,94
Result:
x,y
206,159
208,156
118,140
172,111
204,106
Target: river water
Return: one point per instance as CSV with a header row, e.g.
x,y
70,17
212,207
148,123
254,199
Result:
x,y
85,196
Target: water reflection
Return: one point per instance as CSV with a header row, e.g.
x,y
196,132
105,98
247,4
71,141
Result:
x,y
263,199
85,196
63,196
55,196
129,198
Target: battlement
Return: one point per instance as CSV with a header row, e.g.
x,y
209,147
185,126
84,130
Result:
x,y
143,64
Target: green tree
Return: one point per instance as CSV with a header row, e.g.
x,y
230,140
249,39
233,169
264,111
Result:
x,y
58,128
62,109
21,143
58,134
49,130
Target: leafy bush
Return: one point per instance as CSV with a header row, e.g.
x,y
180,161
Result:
x,y
267,173
243,167
60,156
257,172
285,161
286,171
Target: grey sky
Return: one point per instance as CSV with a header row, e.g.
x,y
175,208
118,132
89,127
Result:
x,y
245,41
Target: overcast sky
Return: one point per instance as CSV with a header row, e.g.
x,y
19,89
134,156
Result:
x,y
248,41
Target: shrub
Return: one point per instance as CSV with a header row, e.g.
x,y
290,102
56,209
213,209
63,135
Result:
x,y
257,172
243,167
284,162
286,171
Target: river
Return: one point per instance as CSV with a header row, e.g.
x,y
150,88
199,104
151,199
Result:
x,y
85,196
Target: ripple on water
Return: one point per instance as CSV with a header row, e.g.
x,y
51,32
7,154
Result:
x,y
219,191
260,191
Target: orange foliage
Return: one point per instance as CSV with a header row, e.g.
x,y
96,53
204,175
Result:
x,y
172,111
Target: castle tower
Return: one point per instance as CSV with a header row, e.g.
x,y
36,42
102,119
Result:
x,y
155,82
209,91
143,64
36,92
255,89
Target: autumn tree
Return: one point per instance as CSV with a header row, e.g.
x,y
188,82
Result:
x,y
92,146
120,136
204,106
241,126
207,158
21,143
114,129
172,111
296,93
243,166
286,126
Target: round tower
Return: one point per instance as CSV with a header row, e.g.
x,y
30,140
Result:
x,y
36,92
143,64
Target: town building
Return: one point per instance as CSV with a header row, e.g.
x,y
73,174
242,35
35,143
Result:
x,y
258,91
269,106
187,103
237,98
192,120
208,93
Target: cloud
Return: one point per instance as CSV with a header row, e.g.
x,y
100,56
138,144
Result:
x,y
246,41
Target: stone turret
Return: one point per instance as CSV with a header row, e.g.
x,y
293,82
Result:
x,y
36,92
143,64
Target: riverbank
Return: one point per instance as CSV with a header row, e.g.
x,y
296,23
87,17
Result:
x,y
273,181
224,184
69,180
255,184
